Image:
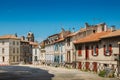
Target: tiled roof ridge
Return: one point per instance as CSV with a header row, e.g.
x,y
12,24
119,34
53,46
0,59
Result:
x,y
92,37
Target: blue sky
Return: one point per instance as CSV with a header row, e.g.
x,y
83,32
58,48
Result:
x,y
46,17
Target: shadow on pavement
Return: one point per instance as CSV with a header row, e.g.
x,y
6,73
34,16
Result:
x,y
23,73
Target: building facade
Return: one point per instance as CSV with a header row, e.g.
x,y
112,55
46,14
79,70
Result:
x,y
93,48
15,50
9,49
36,54
97,51
26,52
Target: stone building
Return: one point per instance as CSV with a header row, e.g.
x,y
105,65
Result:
x,y
97,51
55,48
49,48
14,50
9,49
35,53
42,51
26,52
30,37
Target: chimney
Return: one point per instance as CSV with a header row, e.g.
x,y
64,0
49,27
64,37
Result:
x,y
15,34
105,27
113,28
86,25
22,38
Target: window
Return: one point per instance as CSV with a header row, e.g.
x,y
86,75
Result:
x,y
13,58
107,50
13,50
110,49
56,47
94,31
13,42
35,51
17,50
3,50
79,51
17,58
3,42
61,47
94,50
104,49
68,42
17,43
3,58
61,58
35,58
68,56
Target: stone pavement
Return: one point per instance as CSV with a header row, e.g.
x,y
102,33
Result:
x,y
70,74
33,72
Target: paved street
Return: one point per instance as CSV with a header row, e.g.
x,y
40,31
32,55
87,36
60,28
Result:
x,y
32,72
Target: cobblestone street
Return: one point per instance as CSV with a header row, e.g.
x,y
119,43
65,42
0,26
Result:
x,y
31,72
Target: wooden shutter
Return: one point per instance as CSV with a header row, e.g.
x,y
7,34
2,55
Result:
x,y
97,49
79,51
104,49
110,49
92,50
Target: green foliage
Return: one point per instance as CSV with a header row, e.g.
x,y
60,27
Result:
x,y
102,73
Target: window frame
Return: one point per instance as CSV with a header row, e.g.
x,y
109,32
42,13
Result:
x,y
79,50
3,50
95,50
107,49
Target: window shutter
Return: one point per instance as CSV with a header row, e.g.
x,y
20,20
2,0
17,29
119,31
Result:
x,y
97,50
92,50
110,49
104,49
79,51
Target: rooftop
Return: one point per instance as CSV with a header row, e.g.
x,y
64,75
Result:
x,y
112,34
9,37
91,38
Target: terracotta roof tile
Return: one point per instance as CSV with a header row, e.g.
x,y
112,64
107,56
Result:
x,y
75,33
34,43
112,34
70,35
9,37
59,40
24,41
91,38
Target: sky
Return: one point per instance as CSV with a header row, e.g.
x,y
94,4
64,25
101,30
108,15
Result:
x,y
47,17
